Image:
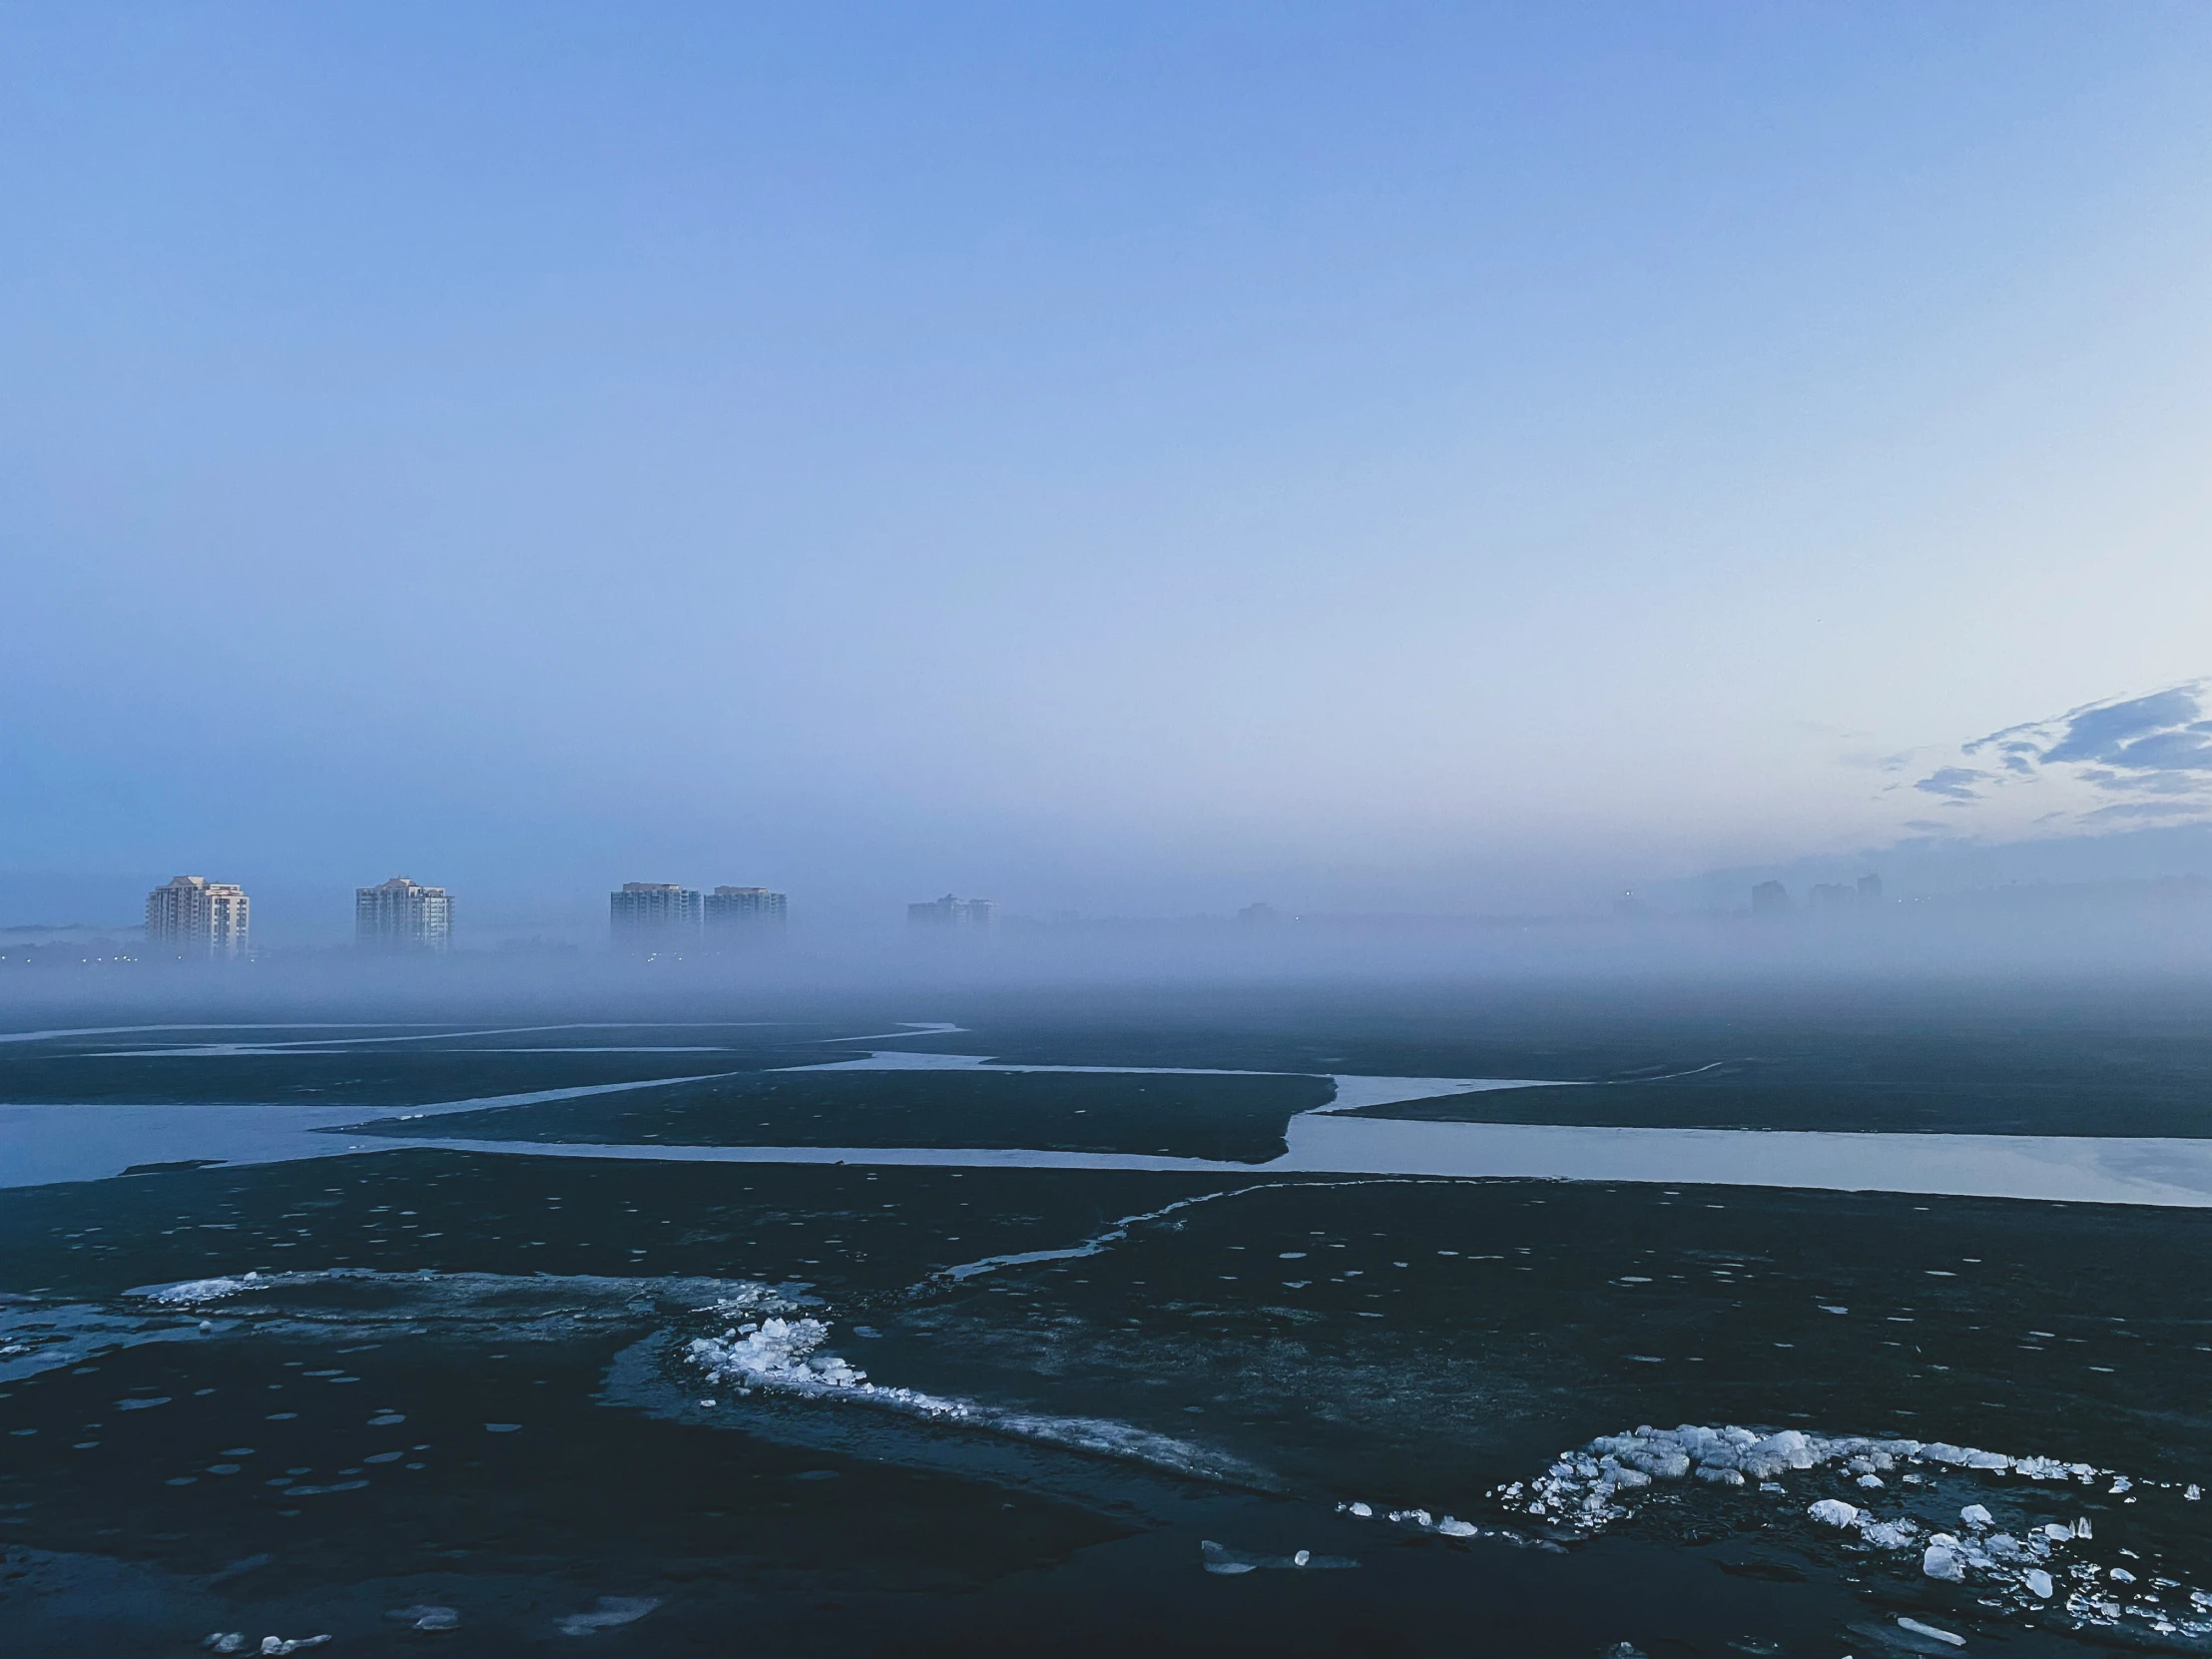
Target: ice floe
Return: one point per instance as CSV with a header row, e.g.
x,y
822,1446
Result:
x,y
426,1616
611,1613
1218,1559
1951,1637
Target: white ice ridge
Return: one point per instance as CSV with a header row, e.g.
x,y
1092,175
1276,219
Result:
x,y
777,1354
192,1292
1591,1488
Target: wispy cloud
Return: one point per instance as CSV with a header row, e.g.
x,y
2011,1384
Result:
x,y
2122,757
1954,783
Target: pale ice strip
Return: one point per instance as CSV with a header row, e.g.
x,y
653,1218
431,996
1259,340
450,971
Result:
x,y
44,1144
536,1097
425,1035
896,1061
879,1157
908,1028
1115,1234
2161,1171
40,1145
2170,1173
235,1025
1091,1246
1353,1092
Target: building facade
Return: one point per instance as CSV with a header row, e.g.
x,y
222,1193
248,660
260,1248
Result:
x,y
737,916
402,915
652,917
197,919
948,913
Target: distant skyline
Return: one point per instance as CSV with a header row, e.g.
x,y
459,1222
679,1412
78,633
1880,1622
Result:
x,y
1133,460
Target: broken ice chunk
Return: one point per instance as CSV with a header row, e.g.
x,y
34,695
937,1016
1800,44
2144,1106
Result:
x,y
1834,1511
1975,1515
1942,1561
291,1644
2039,1582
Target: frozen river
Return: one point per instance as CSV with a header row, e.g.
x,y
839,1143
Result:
x,y
42,1144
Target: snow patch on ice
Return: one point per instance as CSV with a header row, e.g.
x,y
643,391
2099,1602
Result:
x,y
1588,1489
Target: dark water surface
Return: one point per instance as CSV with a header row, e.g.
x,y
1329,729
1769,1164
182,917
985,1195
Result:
x,y
436,1400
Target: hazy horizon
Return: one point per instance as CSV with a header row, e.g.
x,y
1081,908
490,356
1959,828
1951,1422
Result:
x,y
1133,461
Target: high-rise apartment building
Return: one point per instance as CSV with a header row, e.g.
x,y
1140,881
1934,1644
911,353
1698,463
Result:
x,y
738,916
653,916
1770,898
964,914
195,917
402,915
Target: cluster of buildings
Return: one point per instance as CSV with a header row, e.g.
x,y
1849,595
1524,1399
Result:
x,y
194,917
402,915
950,914
1772,898
656,918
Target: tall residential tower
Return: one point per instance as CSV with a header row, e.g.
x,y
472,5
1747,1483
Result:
x,y
402,915
194,917
742,916
653,916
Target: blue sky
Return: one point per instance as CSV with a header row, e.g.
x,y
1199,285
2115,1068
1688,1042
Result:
x,y
1129,460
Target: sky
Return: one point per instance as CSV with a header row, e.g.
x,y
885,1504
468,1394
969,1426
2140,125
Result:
x,y
1132,459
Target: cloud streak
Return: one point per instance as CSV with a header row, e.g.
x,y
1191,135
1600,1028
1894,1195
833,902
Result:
x,y
2136,757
